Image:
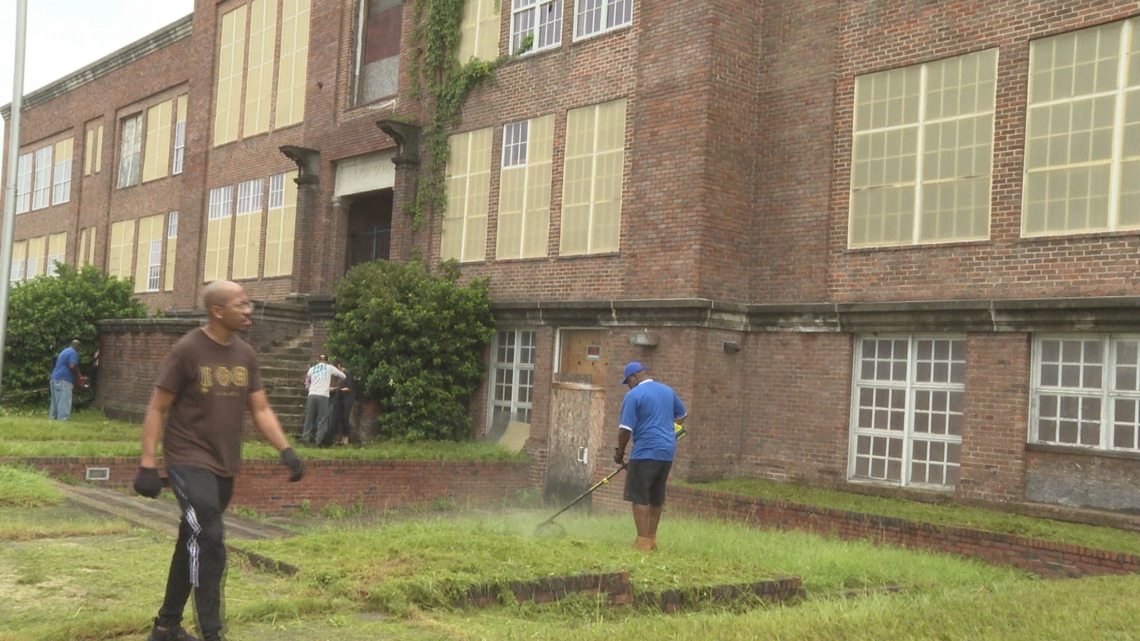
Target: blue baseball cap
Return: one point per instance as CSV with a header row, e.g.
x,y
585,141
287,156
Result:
x,y
632,369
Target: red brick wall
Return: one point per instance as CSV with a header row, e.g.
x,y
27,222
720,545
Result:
x,y
377,485
875,36
996,417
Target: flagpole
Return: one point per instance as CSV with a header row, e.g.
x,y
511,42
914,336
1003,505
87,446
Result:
x,y
10,187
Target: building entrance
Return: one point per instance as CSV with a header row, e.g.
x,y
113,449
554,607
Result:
x,y
369,227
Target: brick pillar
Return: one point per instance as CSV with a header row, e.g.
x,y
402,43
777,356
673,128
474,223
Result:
x,y
308,247
407,161
995,417
338,241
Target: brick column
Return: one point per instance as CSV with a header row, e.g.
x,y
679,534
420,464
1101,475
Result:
x,y
995,417
307,241
407,161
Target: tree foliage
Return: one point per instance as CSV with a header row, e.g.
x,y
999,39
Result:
x,y
46,313
415,340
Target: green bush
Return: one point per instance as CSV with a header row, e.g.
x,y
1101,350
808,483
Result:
x,y
415,340
45,313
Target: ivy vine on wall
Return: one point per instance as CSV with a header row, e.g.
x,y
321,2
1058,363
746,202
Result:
x,y
444,85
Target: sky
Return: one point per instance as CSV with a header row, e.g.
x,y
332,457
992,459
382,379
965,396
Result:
x,y
67,35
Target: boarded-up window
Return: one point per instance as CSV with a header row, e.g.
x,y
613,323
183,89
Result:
x,y
479,31
259,74
293,68
56,252
468,185
231,55
156,159
119,253
592,179
922,153
19,258
247,229
219,220
61,184
37,247
524,188
280,224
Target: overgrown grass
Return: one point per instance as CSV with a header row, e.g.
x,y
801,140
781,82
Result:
x,y
24,487
26,434
948,514
433,563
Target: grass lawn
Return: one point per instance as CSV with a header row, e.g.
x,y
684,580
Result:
x,y
27,434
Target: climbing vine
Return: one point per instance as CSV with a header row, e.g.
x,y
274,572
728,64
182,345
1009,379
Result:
x,y
445,84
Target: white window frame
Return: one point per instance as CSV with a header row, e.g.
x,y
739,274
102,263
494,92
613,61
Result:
x,y
179,148
61,185
24,183
154,266
276,191
1111,400
516,136
172,225
221,202
539,18
522,340
41,193
593,17
249,196
907,393
17,271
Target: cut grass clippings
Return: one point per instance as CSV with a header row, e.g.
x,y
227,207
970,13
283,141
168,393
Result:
x,y
955,515
25,487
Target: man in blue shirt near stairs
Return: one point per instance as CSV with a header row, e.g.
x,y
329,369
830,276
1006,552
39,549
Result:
x,y
648,413
63,378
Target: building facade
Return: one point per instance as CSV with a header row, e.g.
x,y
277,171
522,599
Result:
x,y
884,244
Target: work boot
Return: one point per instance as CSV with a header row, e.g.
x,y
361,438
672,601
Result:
x,y
173,633
644,544
653,542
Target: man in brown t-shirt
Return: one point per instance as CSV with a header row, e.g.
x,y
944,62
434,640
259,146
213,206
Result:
x,y
208,380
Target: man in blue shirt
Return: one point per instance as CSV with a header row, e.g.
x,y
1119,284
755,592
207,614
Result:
x,y
63,378
648,413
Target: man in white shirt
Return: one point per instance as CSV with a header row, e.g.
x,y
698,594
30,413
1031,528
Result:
x,y
318,380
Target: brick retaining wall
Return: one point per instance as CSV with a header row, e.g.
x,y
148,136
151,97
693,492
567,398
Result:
x,y
1044,558
262,483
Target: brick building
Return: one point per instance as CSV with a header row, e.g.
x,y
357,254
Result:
x,y
886,244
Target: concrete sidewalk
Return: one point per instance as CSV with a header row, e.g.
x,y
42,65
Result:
x,y
161,514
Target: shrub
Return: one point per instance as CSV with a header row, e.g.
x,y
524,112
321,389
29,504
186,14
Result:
x,y
416,341
45,313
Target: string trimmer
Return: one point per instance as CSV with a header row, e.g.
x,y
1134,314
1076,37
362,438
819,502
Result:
x,y
551,529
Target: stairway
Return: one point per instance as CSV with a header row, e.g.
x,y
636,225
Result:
x,y
283,365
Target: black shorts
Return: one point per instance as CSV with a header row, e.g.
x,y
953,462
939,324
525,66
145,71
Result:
x,y
645,481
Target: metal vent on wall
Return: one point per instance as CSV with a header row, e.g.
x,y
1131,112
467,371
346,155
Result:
x,y
98,474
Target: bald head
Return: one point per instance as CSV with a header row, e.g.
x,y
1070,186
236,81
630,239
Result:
x,y
219,292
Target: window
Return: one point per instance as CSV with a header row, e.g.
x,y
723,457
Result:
x,y
378,49
596,16
1082,141
906,420
524,188
280,224
592,179
231,58
218,220
512,378
156,159
41,195
56,253
540,19
130,151
259,70
119,251
19,255
468,186
922,153
293,67
36,249
479,31
24,184
61,186
148,253
86,250
93,150
179,138
247,229
171,246
1086,391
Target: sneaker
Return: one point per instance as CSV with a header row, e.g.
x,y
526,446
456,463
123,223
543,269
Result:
x,y
173,633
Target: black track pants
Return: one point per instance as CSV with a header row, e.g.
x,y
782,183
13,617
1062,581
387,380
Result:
x,y
199,560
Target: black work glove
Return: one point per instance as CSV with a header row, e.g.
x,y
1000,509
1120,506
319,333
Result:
x,y
296,469
619,456
147,482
